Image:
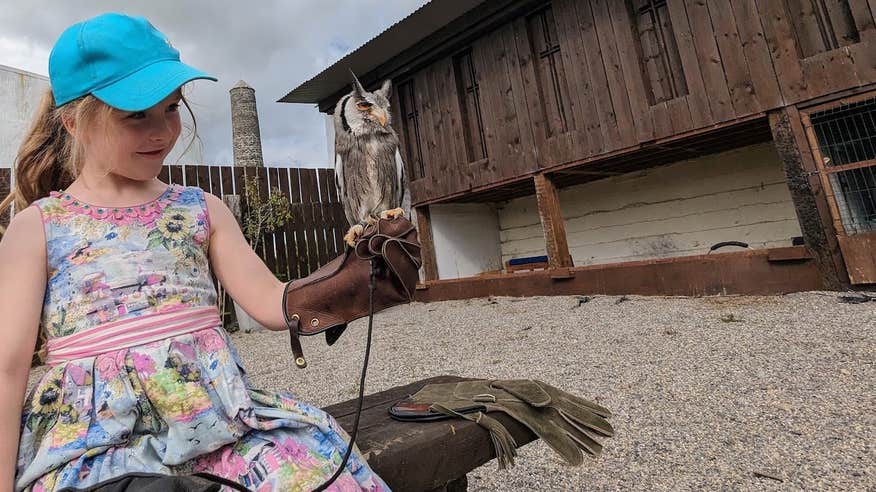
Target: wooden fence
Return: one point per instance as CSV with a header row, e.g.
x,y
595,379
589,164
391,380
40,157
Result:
x,y
311,238
5,179
314,234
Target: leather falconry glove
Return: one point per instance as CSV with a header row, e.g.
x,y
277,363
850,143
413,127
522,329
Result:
x,y
567,423
337,293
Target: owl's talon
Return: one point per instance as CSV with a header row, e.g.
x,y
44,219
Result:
x,y
392,214
353,235
370,220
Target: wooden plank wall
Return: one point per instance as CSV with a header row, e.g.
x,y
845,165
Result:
x,y
739,58
5,180
314,234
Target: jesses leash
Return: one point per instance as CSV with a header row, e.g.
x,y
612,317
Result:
x,y
361,398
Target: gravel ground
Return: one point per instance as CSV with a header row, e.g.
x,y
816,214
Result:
x,y
739,393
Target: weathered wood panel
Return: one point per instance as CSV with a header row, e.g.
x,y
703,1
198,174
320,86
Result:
x,y
500,108
863,17
698,99
709,57
433,177
738,58
607,119
860,253
538,114
451,128
632,73
438,149
587,139
751,37
783,50
735,65
614,73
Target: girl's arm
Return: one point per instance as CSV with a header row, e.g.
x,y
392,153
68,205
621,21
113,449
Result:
x,y
246,277
22,287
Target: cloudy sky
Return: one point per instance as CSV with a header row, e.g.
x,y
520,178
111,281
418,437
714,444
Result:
x,y
273,45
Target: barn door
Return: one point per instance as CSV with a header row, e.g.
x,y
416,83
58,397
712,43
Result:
x,y
842,136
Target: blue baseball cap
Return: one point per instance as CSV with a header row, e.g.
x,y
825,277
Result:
x,y
121,60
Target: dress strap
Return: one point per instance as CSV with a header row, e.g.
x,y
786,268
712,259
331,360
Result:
x,y
117,335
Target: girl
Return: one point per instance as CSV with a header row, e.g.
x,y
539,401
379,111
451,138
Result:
x,y
114,271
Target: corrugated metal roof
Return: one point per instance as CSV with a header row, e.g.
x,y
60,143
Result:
x,y
7,68
394,40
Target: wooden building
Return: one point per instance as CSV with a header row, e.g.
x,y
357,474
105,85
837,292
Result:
x,y
642,146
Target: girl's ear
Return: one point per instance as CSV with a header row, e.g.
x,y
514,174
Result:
x,y
70,124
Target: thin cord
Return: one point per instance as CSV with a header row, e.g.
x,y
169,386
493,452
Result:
x,y
361,383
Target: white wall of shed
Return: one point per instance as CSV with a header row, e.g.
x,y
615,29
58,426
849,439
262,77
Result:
x,y
679,209
466,239
20,94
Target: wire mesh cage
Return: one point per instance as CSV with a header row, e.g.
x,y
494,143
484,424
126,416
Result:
x,y
846,137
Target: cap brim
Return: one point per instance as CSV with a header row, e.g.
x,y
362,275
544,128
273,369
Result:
x,y
149,86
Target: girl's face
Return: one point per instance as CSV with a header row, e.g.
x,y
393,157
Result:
x,y
134,145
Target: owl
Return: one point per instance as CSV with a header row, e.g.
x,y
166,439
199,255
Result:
x,y
369,171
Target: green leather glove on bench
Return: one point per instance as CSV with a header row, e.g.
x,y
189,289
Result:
x,y
567,423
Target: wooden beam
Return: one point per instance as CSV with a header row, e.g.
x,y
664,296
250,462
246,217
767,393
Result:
x,y
750,272
427,251
808,195
588,173
552,222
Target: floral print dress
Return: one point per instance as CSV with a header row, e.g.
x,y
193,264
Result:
x,y
173,405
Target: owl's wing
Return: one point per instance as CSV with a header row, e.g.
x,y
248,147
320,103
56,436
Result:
x,y
339,176
339,182
402,189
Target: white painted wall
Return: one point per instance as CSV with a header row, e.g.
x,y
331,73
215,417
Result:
x,y
675,210
520,230
20,94
466,238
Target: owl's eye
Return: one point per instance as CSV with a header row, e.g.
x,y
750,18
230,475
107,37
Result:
x,y
363,105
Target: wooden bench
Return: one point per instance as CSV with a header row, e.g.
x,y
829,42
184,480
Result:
x,y
421,456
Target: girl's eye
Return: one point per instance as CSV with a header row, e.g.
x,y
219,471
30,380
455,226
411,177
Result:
x,y
173,108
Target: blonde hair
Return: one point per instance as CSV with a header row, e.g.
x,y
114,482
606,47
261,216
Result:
x,y
49,158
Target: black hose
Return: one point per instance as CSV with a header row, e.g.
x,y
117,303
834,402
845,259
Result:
x,y
728,243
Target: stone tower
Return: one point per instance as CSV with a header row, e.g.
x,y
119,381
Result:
x,y
245,126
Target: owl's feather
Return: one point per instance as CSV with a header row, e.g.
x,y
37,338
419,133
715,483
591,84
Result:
x,y
339,180
405,201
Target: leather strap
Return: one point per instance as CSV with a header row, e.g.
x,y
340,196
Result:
x,y
295,339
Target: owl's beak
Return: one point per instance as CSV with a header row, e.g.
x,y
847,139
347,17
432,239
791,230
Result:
x,y
380,115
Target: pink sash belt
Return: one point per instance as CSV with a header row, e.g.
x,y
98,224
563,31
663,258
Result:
x,y
117,335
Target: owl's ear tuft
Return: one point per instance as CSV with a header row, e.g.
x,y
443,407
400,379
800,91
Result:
x,y
358,90
386,88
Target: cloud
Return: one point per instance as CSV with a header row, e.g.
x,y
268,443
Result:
x,y
273,45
